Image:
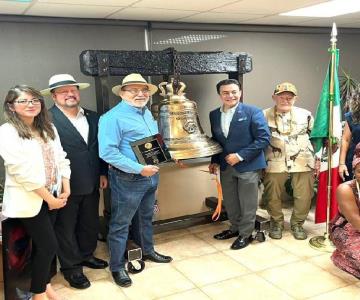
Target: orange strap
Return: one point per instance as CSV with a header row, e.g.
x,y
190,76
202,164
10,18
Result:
x,y
180,164
217,211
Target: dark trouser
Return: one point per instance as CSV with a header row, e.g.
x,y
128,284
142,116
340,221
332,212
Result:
x,y
77,228
40,228
240,192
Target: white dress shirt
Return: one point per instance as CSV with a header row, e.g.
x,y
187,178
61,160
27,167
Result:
x,y
226,118
80,123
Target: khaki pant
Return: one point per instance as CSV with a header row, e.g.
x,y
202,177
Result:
x,y
303,191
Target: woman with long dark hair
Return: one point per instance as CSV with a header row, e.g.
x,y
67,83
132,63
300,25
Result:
x,y
350,137
37,178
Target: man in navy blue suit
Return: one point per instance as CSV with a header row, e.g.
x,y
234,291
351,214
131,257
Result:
x,y
243,133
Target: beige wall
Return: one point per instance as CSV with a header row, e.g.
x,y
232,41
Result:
x,y
182,191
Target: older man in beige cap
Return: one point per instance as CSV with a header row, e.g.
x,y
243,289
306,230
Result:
x,y
133,185
289,155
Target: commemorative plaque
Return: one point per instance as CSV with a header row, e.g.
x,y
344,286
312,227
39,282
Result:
x,y
151,150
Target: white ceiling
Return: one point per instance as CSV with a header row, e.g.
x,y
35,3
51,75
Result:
x,y
256,12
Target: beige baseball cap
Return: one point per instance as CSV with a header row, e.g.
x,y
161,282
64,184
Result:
x,y
285,87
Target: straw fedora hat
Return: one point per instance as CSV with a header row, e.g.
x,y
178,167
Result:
x,y
59,80
134,78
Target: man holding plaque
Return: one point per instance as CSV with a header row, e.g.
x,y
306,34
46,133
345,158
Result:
x,y
243,133
127,125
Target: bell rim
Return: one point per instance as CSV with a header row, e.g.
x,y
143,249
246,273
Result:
x,y
195,152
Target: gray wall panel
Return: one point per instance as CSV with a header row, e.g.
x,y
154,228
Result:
x,y
30,53
298,58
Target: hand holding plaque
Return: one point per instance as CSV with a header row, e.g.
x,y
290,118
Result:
x,y
151,150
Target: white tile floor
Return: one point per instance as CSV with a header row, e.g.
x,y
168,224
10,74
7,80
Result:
x,y
204,268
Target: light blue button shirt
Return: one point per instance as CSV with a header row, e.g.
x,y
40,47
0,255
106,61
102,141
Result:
x,y
120,126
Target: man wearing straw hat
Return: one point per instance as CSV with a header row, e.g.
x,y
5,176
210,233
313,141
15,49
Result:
x,y
133,185
77,224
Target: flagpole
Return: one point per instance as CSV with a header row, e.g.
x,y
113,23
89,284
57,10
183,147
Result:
x,y
323,243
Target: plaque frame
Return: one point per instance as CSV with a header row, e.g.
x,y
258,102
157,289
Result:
x,y
151,150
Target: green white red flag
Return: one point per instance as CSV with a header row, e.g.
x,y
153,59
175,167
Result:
x,y
320,136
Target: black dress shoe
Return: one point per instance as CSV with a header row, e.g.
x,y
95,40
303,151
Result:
x,y
78,281
157,257
94,263
241,242
226,234
122,278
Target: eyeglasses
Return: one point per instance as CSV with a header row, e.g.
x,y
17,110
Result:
x,y
137,91
23,102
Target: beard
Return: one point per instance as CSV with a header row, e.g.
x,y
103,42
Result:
x,y
71,102
140,104
137,103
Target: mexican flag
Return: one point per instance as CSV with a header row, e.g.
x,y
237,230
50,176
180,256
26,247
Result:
x,y
319,137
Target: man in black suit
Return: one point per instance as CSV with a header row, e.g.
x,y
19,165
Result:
x,y
77,224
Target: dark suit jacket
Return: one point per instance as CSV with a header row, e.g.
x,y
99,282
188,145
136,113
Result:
x,y
248,136
86,166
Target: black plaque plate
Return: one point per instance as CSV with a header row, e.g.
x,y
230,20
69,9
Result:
x,y
151,150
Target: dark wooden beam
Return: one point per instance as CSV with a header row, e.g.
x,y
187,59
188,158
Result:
x,y
121,63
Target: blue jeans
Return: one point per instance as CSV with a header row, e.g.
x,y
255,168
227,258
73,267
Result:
x,y
130,193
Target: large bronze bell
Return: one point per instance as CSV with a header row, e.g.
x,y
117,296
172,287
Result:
x,y
179,125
